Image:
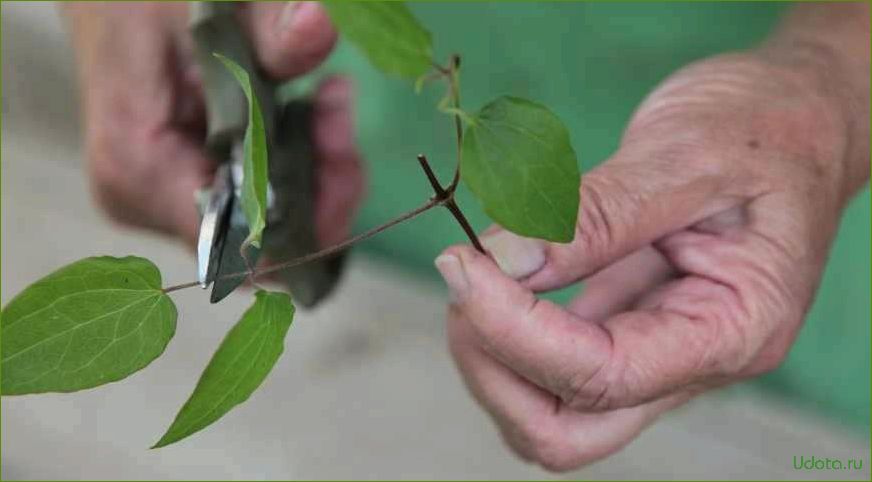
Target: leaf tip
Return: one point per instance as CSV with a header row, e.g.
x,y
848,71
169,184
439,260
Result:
x,y
224,60
163,441
171,436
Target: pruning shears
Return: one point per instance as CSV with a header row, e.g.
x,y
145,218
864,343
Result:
x,y
289,229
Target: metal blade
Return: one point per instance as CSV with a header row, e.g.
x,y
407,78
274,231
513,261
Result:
x,y
211,228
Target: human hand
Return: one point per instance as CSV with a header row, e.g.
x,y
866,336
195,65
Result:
x,y
145,115
701,242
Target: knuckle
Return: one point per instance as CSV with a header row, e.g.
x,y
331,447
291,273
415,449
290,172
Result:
x,y
106,176
517,445
287,55
552,451
719,344
590,391
774,354
716,348
593,390
747,346
731,357
595,229
718,334
767,362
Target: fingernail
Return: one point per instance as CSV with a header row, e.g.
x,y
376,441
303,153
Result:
x,y
286,16
452,271
298,13
517,257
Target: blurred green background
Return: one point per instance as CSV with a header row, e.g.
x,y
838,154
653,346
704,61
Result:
x,y
592,63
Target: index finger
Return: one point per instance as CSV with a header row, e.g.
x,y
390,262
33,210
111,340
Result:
x,y
629,359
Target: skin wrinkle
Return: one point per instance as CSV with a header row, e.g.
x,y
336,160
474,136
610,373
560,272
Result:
x,y
721,351
589,223
755,290
767,229
654,106
594,228
735,301
577,387
763,284
633,377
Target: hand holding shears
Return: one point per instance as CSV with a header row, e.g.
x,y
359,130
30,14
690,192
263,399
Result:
x,y
291,196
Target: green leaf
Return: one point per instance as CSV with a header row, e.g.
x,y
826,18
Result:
x,y
92,322
518,161
255,180
242,362
387,33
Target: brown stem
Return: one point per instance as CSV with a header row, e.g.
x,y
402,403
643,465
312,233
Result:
x,y
434,182
442,70
249,266
348,242
182,286
447,200
461,219
324,252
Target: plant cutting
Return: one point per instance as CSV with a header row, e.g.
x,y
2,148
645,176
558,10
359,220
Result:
x,y
101,319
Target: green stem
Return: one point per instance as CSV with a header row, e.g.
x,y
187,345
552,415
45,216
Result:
x,y
454,89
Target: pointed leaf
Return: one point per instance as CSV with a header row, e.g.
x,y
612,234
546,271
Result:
x,y
387,33
255,172
242,362
92,322
519,162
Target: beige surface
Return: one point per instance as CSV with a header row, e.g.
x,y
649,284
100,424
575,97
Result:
x,y
366,388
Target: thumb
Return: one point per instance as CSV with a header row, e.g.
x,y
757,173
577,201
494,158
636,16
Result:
x,y
628,202
289,38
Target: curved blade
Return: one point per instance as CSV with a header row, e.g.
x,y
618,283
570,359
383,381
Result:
x,y
212,227
230,260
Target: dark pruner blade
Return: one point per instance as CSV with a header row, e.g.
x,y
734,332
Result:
x,y
231,261
216,214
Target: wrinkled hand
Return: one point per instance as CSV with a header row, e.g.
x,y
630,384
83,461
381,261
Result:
x,y
701,243
145,117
